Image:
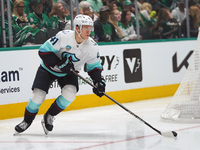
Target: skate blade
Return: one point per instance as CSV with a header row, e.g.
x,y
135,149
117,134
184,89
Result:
x,y
43,125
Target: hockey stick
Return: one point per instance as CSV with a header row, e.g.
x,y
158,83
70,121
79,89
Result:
x,y
166,134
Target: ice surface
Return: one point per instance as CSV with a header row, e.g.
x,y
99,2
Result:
x,y
104,128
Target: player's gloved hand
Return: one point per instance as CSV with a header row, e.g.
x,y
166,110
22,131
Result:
x,y
101,84
66,66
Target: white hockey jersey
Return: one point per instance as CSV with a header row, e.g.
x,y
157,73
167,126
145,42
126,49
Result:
x,y
64,42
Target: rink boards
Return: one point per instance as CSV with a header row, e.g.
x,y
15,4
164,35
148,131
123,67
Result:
x,y
132,70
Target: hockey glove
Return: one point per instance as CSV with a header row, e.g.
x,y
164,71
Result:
x,y
100,87
66,66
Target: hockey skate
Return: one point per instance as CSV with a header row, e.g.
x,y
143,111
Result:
x,y
47,122
22,127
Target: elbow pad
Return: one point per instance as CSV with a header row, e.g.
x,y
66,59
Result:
x,y
49,58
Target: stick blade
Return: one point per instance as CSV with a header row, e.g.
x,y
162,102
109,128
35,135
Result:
x,y
169,134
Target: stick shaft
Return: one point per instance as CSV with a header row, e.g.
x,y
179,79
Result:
x,y
159,132
132,114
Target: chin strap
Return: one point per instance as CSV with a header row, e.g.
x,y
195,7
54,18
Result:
x,y
79,34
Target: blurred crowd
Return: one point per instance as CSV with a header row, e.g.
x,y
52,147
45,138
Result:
x,y
34,21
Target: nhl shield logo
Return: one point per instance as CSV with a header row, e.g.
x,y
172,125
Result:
x,y
68,47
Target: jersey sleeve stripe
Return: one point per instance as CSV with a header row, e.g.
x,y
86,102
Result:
x,y
47,47
94,70
43,53
93,66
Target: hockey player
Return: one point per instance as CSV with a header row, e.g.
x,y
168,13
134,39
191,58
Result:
x,y
61,53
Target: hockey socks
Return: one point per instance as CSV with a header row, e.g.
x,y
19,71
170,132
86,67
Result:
x,y
29,117
31,111
59,105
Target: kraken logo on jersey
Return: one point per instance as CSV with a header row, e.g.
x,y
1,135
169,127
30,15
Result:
x,y
68,47
72,57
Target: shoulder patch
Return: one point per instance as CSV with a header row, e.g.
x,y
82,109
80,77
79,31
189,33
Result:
x,y
68,47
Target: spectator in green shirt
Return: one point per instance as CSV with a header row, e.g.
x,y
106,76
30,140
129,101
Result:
x,y
58,16
104,29
37,17
19,16
41,20
114,19
166,27
96,5
21,34
47,6
126,27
